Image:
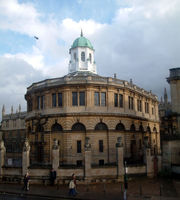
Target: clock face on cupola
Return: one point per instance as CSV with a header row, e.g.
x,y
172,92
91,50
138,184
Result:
x,y
82,56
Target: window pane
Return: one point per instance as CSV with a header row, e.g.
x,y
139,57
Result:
x,y
74,99
121,100
103,99
129,102
42,102
54,100
96,99
132,103
83,56
79,146
60,103
100,145
116,100
140,105
29,105
82,98
79,163
101,162
38,102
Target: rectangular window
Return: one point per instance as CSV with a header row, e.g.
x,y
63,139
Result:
x,y
139,105
74,98
140,144
42,102
121,101
79,146
103,99
96,99
7,124
54,100
79,163
29,105
82,98
131,103
60,100
101,162
38,102
101,146
152,111
146,107
115,100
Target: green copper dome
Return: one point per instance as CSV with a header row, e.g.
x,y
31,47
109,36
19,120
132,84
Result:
x,y
82,42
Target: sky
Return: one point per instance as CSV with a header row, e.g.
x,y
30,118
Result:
x,y
136,39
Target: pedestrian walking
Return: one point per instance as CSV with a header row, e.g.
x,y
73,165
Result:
x,y
26,181
72,191
75,183
52,176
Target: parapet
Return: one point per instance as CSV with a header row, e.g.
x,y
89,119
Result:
x,y
174,74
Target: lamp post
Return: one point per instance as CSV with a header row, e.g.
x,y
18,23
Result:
x,y
125,181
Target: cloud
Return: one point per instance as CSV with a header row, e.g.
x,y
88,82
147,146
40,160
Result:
x,y
141,43
15,76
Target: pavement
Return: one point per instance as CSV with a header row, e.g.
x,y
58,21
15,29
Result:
x,y
139,188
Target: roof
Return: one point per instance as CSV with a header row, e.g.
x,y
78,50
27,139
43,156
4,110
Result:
x,y
82,42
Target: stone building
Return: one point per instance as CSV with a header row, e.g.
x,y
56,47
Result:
x,y
89,124
13,134
83,104
170,123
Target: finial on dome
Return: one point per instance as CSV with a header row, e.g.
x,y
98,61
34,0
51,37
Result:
x,y
81,33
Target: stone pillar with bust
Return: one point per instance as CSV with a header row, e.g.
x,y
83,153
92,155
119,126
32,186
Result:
x,y
148,158
87,164
120,159
25,157
55,155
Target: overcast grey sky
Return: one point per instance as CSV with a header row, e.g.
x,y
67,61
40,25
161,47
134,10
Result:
x,y
138,39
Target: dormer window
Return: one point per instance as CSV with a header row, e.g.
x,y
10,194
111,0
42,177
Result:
x,y
83,56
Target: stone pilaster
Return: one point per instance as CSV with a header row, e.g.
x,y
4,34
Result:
x,y
120,159
55,155
2,156
87,164
25,157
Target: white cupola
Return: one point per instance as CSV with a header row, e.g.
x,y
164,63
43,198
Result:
x,y
82,56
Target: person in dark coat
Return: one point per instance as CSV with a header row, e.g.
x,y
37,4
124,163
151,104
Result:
x,y
26,181
52,176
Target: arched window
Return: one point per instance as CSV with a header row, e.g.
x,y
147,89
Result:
x,y
148,129
120,127
39,128
101,126
56,127
132,128
141,129
78,127
83,56
90,57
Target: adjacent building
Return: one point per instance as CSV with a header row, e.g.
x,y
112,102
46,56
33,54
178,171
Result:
x,y
170,124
